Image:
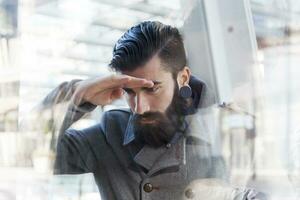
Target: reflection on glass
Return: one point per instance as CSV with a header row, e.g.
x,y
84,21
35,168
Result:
x,y
247,53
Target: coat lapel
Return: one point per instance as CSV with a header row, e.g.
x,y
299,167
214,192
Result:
x,y
171,159
163,158
148,156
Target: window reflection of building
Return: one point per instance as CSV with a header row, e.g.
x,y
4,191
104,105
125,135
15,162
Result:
x,y
9,99
65,39
277,31
238,131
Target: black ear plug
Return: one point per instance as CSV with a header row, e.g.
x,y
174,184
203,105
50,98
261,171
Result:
x,y
185,91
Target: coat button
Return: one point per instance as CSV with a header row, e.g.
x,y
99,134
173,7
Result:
x,y
189,193
148,187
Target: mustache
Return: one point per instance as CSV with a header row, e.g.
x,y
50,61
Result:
x,y
153,128
150,117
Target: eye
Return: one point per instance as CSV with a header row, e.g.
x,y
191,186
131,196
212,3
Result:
x,y
152,90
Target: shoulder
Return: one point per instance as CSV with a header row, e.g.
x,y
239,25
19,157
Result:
x,y
111,128
83,138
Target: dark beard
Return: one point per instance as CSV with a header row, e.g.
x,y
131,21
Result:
x,y
156,128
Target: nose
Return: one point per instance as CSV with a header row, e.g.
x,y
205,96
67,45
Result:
x,y
141,103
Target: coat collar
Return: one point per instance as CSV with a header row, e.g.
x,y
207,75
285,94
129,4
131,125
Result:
x,y
129,132
202,126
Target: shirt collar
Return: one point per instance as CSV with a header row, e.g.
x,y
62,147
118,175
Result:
x,y
129,132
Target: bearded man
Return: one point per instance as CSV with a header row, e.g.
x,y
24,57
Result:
x,y
165,141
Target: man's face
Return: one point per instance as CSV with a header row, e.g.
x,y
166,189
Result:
x,y
156,99
155,119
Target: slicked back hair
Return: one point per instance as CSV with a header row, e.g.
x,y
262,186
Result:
x,y
145,40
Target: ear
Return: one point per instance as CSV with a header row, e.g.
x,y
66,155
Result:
x,y
183,77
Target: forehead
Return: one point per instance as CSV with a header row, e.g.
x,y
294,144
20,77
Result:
x,y
152,70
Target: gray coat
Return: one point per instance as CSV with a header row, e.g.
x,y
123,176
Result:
x,y
126,170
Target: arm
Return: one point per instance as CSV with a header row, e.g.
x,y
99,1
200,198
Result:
x,y
73,155
85,96
75,148
64,92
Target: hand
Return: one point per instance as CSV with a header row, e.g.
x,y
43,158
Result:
x,y
102,91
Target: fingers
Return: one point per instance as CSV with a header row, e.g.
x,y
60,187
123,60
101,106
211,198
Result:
x,y
115,82
91,89
137,82
120,81
106,97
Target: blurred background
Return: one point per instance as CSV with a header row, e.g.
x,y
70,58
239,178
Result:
x,y
248,51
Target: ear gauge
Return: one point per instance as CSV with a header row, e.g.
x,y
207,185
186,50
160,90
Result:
x,y
185,91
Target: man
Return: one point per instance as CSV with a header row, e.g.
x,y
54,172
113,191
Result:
x,y
164,142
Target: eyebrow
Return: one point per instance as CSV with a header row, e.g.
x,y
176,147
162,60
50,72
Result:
x,y
143,88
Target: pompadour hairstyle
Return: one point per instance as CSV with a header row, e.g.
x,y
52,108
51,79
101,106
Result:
x,y
145,40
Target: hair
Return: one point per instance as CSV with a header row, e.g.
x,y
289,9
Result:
x,y
145,40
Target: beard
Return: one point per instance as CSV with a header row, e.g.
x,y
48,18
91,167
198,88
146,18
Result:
x,y
156,128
